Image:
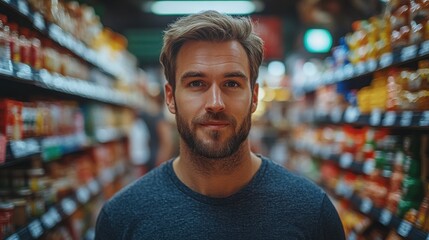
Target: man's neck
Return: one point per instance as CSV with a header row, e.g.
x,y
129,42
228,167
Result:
x,y
217,177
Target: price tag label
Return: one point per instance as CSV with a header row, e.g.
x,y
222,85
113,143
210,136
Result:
x,y
404,228
352,236
385,217
371,65
366,206
346,160
24,71
94,187
368,167
348,71
375,117
47,221
408,53
83,195
35,229
38,21
55,32
360,68
406,119
68,206
339,188
13,237
389,118
23,7
51,218
424,120
386,60
336,114
106,176
352,114
18,149
424,48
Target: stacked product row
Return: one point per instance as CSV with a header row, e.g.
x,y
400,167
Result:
x,y
34,191
390,170
61,155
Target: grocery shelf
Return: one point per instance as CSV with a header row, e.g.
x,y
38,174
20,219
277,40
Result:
x,y
343,160
66,40
54,147
377,118
354,71
403,227
72,87
67,206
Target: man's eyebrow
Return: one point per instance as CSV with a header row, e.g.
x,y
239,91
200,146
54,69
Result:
x,y
236,74
192,74
196,74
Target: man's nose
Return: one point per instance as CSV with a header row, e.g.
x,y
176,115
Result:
x,y
214,101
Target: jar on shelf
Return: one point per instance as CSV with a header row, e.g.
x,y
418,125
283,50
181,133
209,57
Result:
x,y
18,179
26,194
6,219
14,42
24,45
4,43
38,204
36,179
20,215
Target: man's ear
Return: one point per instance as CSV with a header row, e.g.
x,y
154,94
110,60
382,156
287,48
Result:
x,y
169,98
255,97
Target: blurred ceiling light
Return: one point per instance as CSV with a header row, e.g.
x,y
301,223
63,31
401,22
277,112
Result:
x,y
190,7
276,68
317,40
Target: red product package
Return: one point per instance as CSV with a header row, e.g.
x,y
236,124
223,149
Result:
x,y
2,148
11,124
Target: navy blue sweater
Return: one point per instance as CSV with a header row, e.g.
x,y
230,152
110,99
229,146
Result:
x,y
276,204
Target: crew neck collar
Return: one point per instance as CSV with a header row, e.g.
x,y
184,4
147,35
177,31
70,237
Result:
x,y
241,194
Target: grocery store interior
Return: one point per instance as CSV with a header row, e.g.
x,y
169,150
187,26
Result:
x,y
343,101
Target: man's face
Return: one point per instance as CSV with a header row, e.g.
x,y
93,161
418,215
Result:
x,y
213,100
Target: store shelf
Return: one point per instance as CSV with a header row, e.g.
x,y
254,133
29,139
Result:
x,y
344,160
77,47
393,119
54,147
403,227
349,72
72,87
68,205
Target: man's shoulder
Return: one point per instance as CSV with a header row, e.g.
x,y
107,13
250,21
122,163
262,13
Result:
x,y
291,183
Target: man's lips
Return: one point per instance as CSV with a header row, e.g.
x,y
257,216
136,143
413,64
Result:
x,y
214,124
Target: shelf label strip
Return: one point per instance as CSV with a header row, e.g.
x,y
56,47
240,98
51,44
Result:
x,y
35,228
404,228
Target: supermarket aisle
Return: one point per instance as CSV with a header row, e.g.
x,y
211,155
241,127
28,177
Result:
x,y
354,119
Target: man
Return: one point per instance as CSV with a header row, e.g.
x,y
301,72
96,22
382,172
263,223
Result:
x,y
216,188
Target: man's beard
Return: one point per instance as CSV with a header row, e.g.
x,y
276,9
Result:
x,y
213,150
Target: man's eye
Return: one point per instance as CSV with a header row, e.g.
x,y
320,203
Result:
x,y
196,84
232,84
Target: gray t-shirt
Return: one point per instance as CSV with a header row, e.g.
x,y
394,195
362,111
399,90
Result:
x,y
276,204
